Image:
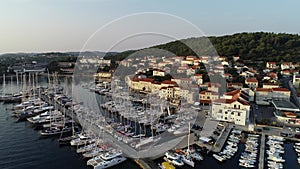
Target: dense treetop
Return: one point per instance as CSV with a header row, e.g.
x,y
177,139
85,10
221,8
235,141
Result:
x,y
259,46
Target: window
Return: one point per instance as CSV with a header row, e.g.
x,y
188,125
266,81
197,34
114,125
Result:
x,y
225,112
225,118
232,113
239,114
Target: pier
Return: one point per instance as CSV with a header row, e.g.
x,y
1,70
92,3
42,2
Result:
x,y
262,152
222,139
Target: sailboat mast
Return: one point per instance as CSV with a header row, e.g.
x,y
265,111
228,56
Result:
x,y
188,150
11,79
3,90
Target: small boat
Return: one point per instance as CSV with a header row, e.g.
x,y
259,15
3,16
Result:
x,y
111,154
66,140
92,153
110,163
55,131
94,161
171,155
166,165
219,158
196,156
188,160
86,148
177,162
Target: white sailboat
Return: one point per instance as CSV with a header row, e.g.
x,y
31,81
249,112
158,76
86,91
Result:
x,y
186,158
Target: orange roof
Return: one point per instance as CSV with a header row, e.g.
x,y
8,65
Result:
x,y
186,79
168,82
191,57
272,74
232,93
280,89
290,114
205,101
263,90
243,102
272,63
143,79
286,71
197,74
235,84
229,101
252,80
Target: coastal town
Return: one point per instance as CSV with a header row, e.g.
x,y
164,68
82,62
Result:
x,y
181,109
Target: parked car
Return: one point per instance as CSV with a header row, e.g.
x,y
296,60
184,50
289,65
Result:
x,y
266,128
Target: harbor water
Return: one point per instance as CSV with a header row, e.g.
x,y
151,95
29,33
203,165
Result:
x,y
22,147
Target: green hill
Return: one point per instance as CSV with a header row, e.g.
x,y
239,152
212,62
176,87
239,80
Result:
x,y
259,46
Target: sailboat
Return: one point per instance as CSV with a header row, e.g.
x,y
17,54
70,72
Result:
x,y
186,158
66,140
15,97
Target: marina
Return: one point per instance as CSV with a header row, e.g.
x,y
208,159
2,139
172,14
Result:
x,y
233,153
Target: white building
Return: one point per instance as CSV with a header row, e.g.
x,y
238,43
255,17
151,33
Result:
x,y
268,94
232,108
296,80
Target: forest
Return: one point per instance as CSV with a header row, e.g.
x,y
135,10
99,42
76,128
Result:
x,y
257,46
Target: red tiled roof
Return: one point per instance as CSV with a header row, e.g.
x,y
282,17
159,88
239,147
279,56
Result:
x,y
286,71
235,84
232,93
168,82
194,67
143,79
197,74
228,101
186,79
263,90
280,89
243,102
191,57
205,101
272,74
290,114
252,80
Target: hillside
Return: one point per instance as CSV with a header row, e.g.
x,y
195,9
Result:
x,y
259,46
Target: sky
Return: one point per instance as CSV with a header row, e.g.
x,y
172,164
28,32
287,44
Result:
x,y
73,25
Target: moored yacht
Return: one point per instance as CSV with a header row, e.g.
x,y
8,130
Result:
x,y
188,160
110,163
111,154
171,155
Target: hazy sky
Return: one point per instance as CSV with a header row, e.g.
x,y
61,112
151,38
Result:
x,y
65,25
